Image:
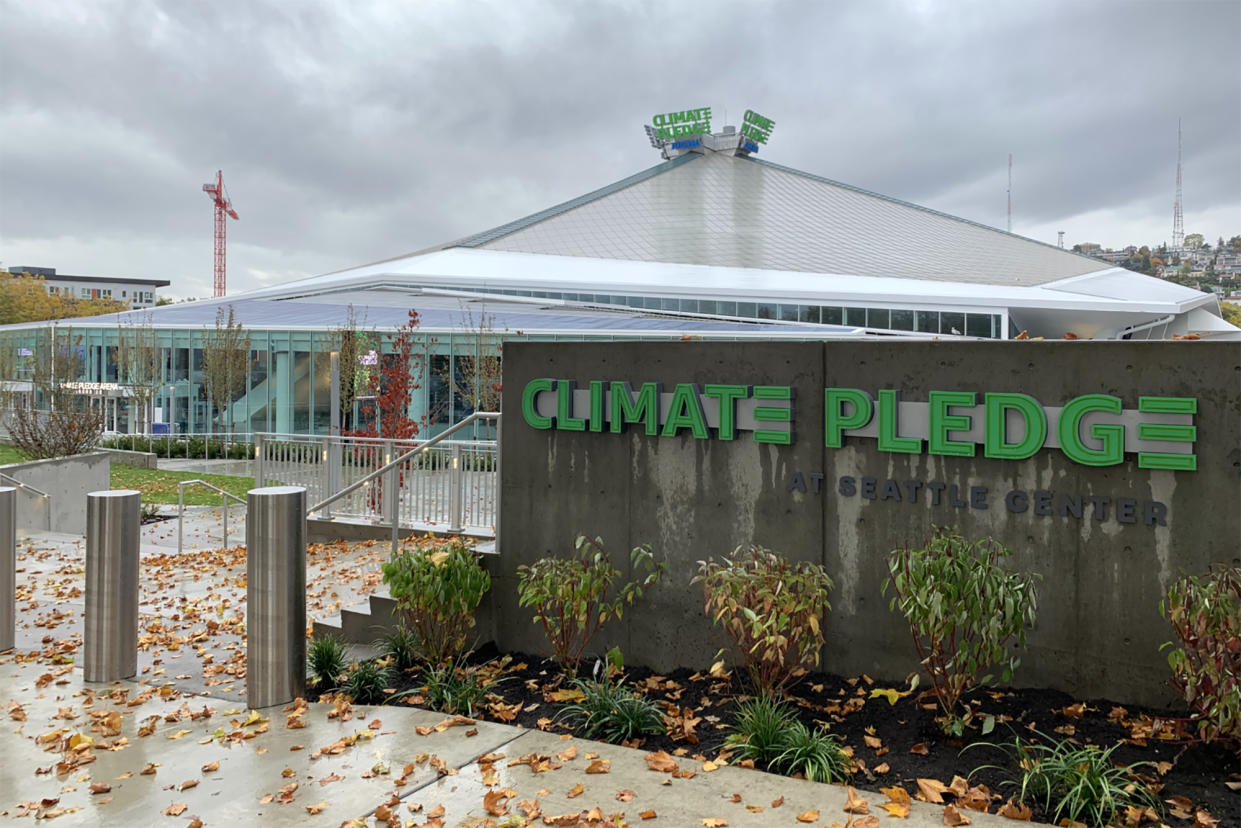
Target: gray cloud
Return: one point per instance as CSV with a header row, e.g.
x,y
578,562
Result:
x,y
350,132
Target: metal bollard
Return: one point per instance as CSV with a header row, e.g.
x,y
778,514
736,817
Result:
x,y
110,637
275,595
8,568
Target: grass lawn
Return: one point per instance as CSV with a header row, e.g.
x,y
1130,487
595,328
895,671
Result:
x,y
161,486
11,454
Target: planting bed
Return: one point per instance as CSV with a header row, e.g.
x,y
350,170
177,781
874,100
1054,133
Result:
x,y
896,744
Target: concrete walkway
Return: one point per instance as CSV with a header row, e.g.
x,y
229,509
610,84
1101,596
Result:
x,y
186,756
178,747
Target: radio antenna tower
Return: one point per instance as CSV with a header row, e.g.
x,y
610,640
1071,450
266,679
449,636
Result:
x,y
1178,220
1010,192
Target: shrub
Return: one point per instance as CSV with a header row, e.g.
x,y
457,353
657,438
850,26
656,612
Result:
x,y
816,755
1081,784
760,729
612,712
458,688
367,682
771,609
767,732
327,660
437,592
962,607
570,595
1205,614
400,646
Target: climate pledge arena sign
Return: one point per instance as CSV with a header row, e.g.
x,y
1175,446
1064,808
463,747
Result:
x,y
1108,468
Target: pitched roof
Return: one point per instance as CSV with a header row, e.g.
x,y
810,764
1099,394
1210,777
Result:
x,y
737,211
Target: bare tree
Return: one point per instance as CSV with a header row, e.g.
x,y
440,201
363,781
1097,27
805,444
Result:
x,y
226,362
139,362
352,343
477,377
70,424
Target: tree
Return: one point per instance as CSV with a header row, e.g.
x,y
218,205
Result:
x,y
25,298
139,365
1193,241
226,362
476,378
70,424
1231,313
394,384
352,344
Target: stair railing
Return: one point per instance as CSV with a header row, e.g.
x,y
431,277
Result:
x,y
45,498
224,498
392,491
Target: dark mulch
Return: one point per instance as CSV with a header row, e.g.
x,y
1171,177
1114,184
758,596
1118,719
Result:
x,y
910,743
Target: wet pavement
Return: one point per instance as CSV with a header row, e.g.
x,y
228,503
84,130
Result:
x,y
177,745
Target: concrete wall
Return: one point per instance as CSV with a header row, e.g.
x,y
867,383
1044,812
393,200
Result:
x,y
141,459
67,480
1099,628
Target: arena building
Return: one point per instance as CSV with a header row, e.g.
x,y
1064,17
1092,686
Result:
x,y
712,243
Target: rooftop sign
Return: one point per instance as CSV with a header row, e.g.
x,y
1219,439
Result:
x,y
691,128
672,125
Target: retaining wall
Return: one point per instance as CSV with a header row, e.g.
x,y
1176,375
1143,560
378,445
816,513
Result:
x,y
67,480
1102,574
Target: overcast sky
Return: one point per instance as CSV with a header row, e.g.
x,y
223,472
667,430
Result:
x,y
355,131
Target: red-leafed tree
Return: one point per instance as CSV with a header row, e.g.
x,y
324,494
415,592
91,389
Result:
x,y
393,385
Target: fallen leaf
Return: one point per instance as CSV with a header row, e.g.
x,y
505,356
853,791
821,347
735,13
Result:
x,y
953,817
187,784
496,802
647,814
599,766
100,788
855,804
625,795
920,749
662,762
1018,811
808,816
714,822
882,768
317,808
931,790
575,791
776,803
211,767
175,809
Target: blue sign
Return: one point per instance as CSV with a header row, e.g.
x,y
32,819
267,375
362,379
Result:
x,y
676,145
750,146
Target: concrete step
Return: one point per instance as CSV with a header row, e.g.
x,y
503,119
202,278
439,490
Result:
x,y
361,624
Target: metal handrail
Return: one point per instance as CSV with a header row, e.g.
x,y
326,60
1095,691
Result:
x,y
388,467
181,506
439,438
26,487
22,485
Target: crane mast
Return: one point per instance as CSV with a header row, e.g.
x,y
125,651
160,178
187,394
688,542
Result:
x,y
223,211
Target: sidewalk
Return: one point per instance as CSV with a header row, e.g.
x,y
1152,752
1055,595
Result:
x,y
178,747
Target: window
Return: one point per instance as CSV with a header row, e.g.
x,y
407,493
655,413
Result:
x,y
877,318
951,322
902,320
831,316
766,310
808,313
978,324
788,313
855,316
926,321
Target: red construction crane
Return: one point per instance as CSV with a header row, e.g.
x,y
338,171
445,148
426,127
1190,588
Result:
x,y
223,207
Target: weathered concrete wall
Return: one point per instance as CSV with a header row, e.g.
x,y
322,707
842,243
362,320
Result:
x,y
1099,628
141,459
67,480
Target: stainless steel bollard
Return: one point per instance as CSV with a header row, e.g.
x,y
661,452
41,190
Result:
x,y
275,595
110,637
8,568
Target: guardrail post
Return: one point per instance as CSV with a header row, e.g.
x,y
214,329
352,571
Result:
x,y
392,505
110,635
8,568
456,491
275,595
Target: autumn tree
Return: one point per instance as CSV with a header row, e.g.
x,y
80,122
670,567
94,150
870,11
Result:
x,y
226,362
64,421
25,298
352,344
476,377
400,374
139,365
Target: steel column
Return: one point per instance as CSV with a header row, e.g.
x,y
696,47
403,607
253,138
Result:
x,y
275,595
110,636
455,490
8,568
